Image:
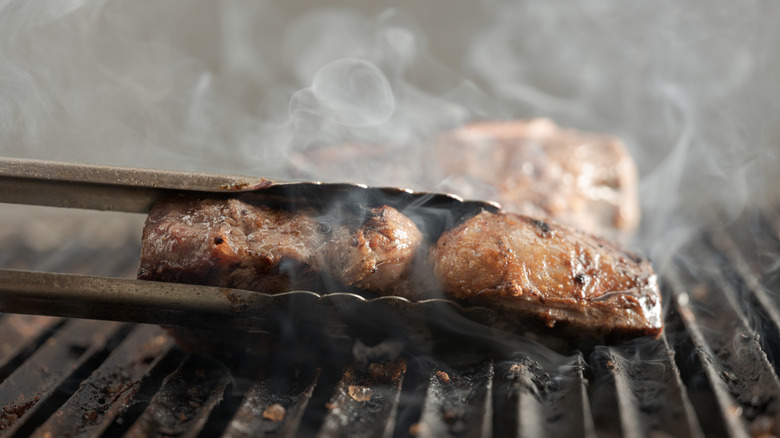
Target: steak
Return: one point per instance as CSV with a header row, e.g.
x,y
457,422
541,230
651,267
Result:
x,y
535,168
544,274
231,243
531,167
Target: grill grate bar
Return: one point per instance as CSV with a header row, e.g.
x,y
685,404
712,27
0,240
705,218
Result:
x,y
458,403
258,416
30,385
21,335
110,388
756,298
536,404
728,350
185,400
649,391
365,403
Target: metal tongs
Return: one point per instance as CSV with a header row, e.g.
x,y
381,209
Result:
x,y
35,182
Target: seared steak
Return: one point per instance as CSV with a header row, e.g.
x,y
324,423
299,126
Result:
x,y
547,274
532,167
538,169
230,243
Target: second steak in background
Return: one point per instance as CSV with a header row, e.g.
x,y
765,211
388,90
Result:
x,y
532,167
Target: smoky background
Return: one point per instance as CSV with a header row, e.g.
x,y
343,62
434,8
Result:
x,y
249,87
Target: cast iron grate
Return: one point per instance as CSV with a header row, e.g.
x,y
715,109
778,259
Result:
x,y
712,373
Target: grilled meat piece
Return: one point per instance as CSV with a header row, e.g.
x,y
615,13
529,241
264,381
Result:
x,y
375,255
547,274
230,243
535,168
532,167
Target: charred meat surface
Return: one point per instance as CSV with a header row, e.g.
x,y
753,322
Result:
x,y
535,168
542,273
230,243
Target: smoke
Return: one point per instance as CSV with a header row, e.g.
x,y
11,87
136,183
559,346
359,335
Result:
x,y
261,87
241,87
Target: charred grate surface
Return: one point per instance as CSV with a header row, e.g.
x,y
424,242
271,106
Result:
x,y
365,402
107,392
712,373
46,372
273,406
458,403
725,346
185,400
529,401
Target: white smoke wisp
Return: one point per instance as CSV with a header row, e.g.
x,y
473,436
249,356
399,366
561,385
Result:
x,y
250,87
690,88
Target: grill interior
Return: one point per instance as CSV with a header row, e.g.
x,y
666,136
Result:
x,y
711,373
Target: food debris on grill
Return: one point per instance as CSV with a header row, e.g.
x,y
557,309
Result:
x,y
360,393
275,412
553,275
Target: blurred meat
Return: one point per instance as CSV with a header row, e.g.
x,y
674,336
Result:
x,y
538,169
550,275
230,243
532,167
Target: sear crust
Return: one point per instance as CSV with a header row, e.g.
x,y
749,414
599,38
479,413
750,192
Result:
x,y
546,274
230,243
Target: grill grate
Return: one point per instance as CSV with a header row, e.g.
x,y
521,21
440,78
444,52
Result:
x,y
712,373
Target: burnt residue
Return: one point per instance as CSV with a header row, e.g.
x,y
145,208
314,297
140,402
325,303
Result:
x,y
247,185
732,370
365,401
184,401
239,299
542,228
458,404
274,404
109,390
13,411
28,389
531,399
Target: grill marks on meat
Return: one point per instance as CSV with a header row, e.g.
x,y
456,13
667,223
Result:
x,y
544,273
230,243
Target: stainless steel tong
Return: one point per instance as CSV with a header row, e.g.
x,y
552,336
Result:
x,y
109,188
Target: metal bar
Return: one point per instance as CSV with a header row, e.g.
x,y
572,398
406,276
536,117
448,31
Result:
x,y
547,405
185,400
27,388
649,391
728,349
134,190
268,411
458,404
55,184
365,404
19,335
79,296
110,389
768,305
